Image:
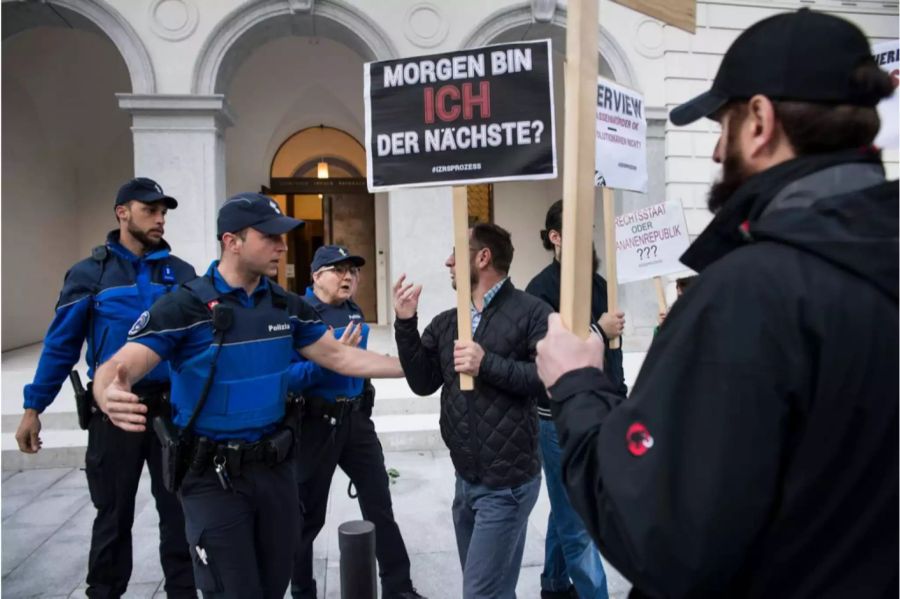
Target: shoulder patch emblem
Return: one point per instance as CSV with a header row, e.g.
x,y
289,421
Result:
x,y
638,439
140,324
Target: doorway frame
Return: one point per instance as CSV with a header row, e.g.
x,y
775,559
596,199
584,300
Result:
x,y
346,185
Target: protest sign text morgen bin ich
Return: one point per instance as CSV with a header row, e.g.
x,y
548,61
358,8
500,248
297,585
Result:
x,y
479,115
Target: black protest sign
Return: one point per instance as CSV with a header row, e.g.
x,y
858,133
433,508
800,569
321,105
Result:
x,y
477,115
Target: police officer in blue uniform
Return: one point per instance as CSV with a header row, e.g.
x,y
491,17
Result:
x,y
100,299
230,336
337,430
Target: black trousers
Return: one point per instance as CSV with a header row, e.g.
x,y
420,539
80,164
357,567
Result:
x,y
113,464
354,446
242,540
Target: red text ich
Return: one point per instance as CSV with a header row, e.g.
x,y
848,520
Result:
x,y
448,102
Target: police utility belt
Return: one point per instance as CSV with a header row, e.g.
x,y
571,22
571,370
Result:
x,y
182,451
333,411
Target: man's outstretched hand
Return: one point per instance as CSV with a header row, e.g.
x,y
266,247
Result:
x,y
121,405
561,351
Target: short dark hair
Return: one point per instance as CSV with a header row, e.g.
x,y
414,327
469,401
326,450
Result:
x,y
498,240
552,222
820,128
242,235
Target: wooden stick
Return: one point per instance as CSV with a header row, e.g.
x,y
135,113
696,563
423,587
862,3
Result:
x,y
463,282
612,283
578,168
660,294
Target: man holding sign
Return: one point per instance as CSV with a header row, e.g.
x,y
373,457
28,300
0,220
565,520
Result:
x,y
757,453
492,431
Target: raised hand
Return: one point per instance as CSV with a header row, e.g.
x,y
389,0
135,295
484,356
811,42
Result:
x,y
352,334
406,298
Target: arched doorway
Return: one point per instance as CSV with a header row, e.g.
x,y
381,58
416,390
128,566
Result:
x,y
66,146
285,69
318,175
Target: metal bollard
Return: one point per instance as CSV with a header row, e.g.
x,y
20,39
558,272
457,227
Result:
x,y
356,540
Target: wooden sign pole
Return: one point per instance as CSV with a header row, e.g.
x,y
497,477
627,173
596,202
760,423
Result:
x,y
578,167
463,282
612,281
660,294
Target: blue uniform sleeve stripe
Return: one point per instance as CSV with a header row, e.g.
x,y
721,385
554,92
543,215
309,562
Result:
x,y
167,331
62,348
75,301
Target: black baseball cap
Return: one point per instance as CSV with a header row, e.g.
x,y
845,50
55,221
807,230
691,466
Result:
x,y
333,254
804,56
253,210
146,191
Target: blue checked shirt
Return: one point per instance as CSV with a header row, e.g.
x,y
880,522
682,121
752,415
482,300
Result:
x,y
476,315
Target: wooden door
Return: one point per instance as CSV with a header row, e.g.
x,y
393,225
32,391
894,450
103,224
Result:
x,y
351,223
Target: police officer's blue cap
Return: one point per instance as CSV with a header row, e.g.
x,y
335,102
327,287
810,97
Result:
x,y
334,254
254,210
146,191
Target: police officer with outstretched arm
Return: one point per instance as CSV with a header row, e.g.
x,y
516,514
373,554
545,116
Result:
x,y
100,299
230,336
337,430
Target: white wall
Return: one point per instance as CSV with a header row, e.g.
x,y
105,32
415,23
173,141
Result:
x,y
286,85
691,62
520,208
66,150
421,228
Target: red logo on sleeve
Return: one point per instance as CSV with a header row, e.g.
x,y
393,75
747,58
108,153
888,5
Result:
x,y
638,439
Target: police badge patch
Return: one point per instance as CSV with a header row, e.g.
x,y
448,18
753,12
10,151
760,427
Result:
x,y
139,325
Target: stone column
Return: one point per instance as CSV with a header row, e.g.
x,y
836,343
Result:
x,y
421,238
178,141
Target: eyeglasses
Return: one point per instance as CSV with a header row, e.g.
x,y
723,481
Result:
x,y
342,269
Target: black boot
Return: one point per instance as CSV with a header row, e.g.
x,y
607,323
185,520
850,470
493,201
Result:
x,y
567,594
410,594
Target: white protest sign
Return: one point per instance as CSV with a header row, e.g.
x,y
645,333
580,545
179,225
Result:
x,y
887,56
649,242
621,160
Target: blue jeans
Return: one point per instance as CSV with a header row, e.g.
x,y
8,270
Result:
x,y
490,527
569,551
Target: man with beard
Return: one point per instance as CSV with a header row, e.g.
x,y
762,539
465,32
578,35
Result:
x,y
101,298
492,431
757,453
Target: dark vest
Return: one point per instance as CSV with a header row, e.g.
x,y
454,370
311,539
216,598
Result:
x,y
250,386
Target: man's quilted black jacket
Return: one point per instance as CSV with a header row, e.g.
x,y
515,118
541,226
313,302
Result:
x,y
492,432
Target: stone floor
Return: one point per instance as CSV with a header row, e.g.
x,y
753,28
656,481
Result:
x,y
47,515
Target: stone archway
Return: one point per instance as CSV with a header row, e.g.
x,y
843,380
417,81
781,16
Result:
x,y
94,15
67,150
255,23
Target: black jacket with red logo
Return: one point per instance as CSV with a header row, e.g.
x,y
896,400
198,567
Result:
x,y
757,455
